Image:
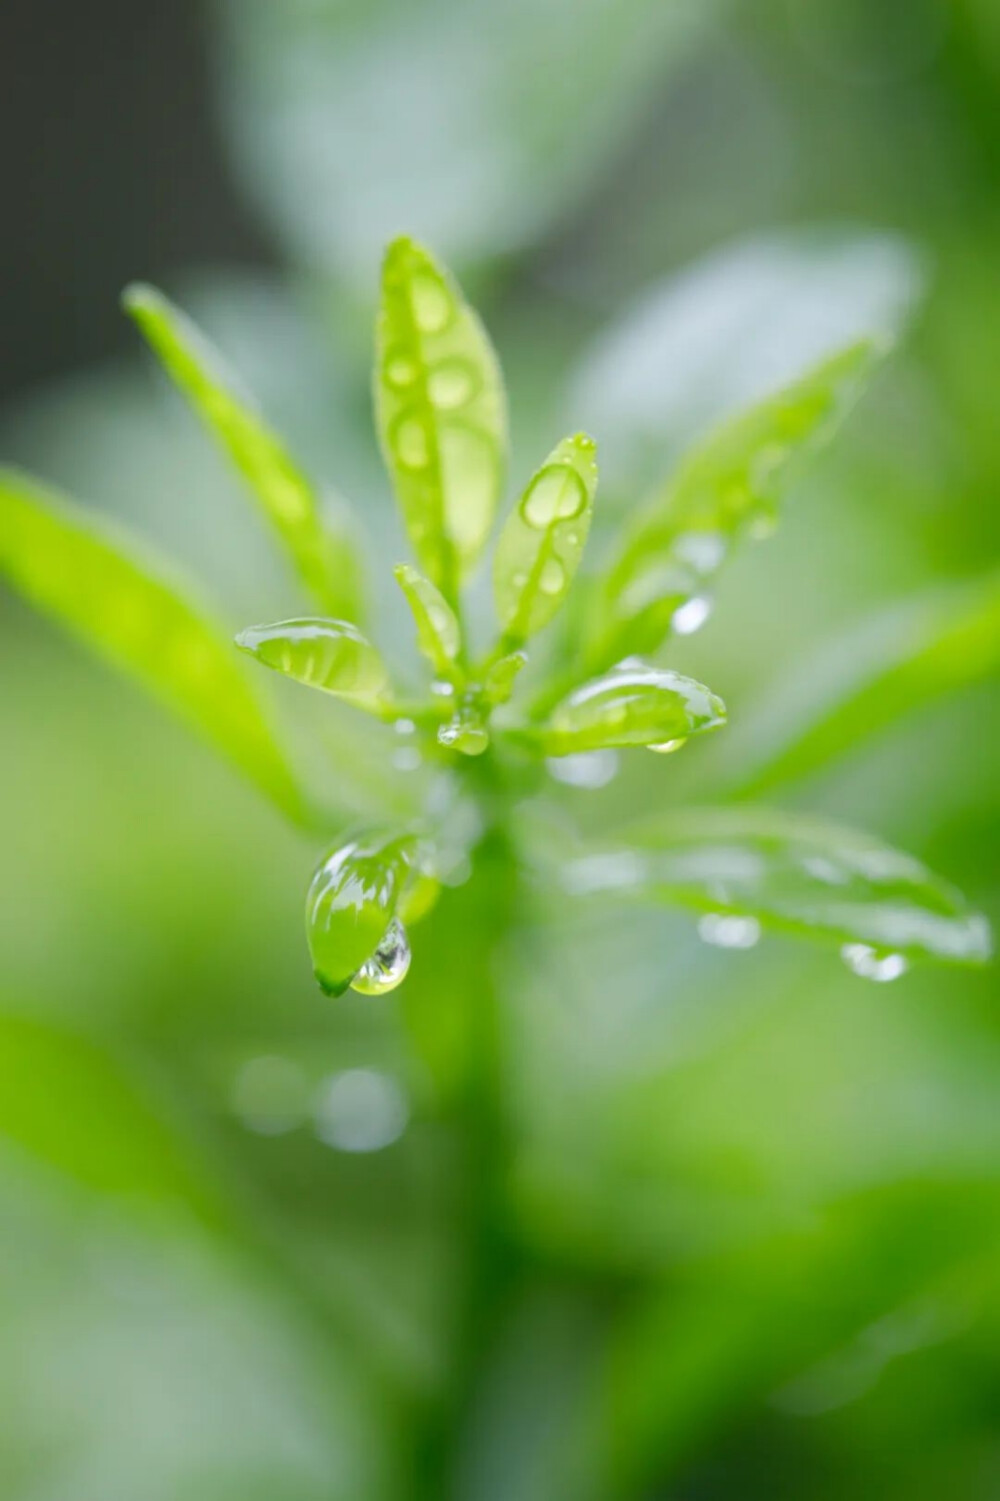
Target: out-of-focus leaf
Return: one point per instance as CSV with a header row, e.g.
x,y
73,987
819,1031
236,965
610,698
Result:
x,y
543,539
863,681
688,1358
501,675
795,874
634,706
439,635
70,1104
331,655
441,412
729,331
353,898
728,488
95,581
478,124
324,558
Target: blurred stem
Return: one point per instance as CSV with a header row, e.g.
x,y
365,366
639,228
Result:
x,y
492,1259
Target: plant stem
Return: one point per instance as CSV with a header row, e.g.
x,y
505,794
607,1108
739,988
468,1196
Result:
x,y
492,1257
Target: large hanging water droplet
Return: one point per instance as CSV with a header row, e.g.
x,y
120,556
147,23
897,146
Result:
x,y
400,369
691,615
880,965
389,964
728,930
556,494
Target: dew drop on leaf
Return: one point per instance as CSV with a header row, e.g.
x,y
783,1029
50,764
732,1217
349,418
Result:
x,y
880,965
725,930
389,964
431,304
409,439
552,577
451,385
557,494
667,747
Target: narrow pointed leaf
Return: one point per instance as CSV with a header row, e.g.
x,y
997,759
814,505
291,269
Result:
x,y
542,542
96,582
795,874
323,556
633,706
439,635
729,487
354,896
441,413
897,662
500,677
331,655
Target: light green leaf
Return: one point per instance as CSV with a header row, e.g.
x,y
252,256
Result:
x,y
542,542
352,901
500,677
95,580
324,558
439,635
794,874
73,1106
331,655
634,706
867,679
728,488
441,413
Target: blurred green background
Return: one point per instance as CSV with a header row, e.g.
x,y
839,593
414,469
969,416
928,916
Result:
x,y
761,1198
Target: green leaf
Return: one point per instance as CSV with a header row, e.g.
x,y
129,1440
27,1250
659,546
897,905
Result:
x,y
794,874
95,581
325,559
441,413
439,634
73,1106
500,677
636,705
352,901
728,488
331,655
867,679
542,542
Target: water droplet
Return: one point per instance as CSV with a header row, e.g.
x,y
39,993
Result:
x,y
361,1110
702,551
389,964
725,930
431,303
269,1095
552,579
880,965
451,385
667,747
409,439
691,615
466,734
407,758
589,769
556,494
441,688
405,727
400,369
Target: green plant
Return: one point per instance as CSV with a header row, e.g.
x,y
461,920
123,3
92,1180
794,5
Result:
x,y
491,727
441,416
